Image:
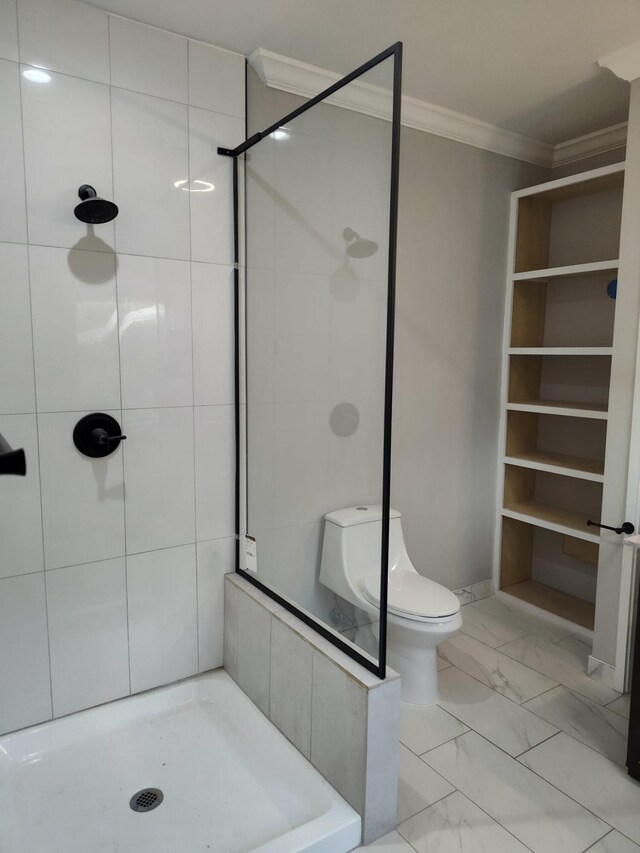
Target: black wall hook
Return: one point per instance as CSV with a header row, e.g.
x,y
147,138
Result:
x,y
97,435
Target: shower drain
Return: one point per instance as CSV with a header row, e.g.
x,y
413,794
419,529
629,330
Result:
x,y
146,800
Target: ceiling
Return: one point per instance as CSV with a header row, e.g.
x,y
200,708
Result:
x,y
525,65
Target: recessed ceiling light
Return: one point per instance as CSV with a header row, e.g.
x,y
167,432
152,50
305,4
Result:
x,y
36,75
280,134
203,186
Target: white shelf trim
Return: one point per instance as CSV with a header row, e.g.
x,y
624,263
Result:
x,y
560,350
567,271
551,409
575,473
578,178
550,525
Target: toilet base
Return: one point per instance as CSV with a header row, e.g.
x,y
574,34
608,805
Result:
x,y
418,678
412,650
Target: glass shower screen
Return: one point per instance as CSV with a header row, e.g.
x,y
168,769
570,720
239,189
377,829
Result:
x,y
317,205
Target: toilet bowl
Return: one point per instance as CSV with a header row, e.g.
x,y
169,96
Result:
x,y
421,613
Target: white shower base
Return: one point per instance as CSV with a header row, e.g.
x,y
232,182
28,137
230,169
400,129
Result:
x,y
231,782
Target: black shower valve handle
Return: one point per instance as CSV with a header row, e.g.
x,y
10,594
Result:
x,y
626,527
97,435
102,437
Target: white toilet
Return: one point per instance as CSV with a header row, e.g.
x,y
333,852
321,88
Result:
x,y
421,614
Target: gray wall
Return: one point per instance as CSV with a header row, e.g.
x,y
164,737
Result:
x,y
452,253
452,256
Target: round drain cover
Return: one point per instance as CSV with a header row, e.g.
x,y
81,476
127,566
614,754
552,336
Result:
x,y
146,800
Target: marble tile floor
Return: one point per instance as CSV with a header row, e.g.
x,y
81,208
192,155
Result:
x,y
523,752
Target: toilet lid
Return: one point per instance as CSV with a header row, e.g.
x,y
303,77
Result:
x,y
414,595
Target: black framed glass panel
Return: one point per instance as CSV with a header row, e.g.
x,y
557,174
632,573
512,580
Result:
x,y
317,200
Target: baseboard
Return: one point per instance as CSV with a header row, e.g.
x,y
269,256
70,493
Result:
x,y
475,591
601,671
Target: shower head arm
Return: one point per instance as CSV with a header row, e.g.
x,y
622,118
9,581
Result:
x,y
87,191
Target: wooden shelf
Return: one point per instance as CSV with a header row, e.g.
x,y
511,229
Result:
x,y
566,521
561,603
607,351
570,271
597,411
557,463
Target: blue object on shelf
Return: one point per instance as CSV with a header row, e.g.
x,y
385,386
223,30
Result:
x,y
612,288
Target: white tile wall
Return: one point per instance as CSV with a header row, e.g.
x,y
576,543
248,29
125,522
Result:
x,y
154,308
150,155
16,348
87,608
75,328
67,143
20,514
216,79
213,337
215,471
163,641
23,649
8,30
148,60
65,36
214,560
13,221
122,322
82,498
212,191
158,466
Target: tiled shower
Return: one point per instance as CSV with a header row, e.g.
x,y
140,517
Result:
x,y
112,570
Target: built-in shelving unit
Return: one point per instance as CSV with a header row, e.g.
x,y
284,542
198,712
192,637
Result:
x,y
556,374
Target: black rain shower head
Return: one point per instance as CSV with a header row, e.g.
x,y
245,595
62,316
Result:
x,y
94,210
358,247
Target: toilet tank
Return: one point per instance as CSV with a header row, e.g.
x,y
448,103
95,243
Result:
x,y
351,548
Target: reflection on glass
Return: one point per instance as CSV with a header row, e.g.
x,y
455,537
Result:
x,y
317,235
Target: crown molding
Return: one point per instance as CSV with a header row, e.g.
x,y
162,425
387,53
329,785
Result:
x,y
608,139
624,63
440,121
300,78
